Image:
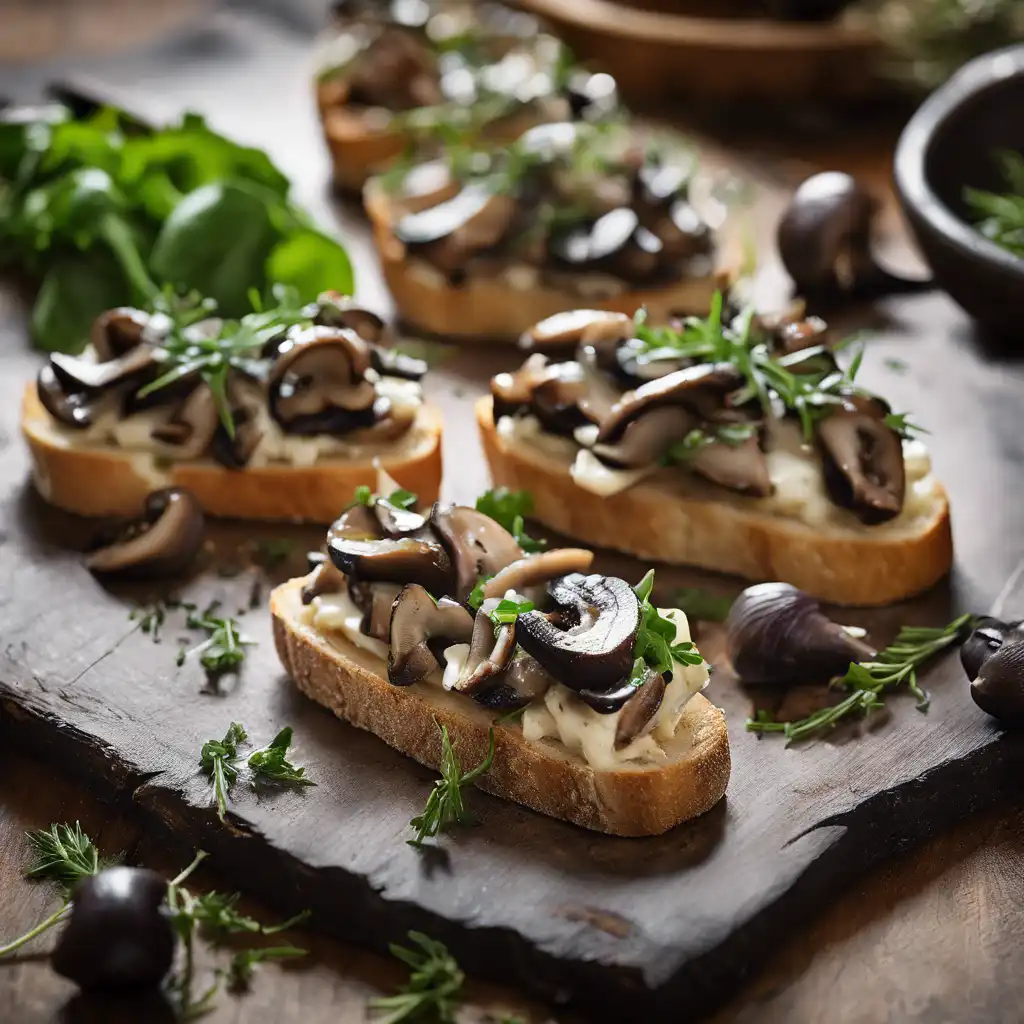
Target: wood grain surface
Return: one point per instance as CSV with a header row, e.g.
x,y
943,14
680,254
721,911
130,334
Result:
x,y
915,975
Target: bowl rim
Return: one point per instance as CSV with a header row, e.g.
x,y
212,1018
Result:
x,y
912,186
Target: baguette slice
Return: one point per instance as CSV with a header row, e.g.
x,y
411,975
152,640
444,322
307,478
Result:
x,y
631,801
489,309
104,481
860,566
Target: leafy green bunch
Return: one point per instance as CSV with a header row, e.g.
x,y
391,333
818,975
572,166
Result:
x,y
1001,215
102,213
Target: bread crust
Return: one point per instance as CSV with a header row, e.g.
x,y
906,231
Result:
x,y
840,566
631,801
488,309
102,481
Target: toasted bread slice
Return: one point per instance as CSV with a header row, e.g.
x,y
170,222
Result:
x,y
858,565
490,309
630,801
101,480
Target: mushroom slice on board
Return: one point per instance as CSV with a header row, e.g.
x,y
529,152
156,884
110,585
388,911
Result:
x,y
477,545
640,710
424,562
536,569
588,643
163,541
862,461
490,652
417,622
319,384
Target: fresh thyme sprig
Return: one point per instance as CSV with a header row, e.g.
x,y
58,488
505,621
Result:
x,y
434,989
444,805
224,648
867,681
219,761
270,764
509,509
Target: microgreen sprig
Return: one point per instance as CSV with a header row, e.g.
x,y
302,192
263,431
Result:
x,y
444,805
656,645
434,988
270,764
867,681
224,648
219,761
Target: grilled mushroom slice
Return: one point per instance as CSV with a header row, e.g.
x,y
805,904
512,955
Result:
x,y
416,623
862,460
647,438
79,374
424,562
536,569
616,242
72,408
640,710
588,643
162,542
337,310
375,601
191,426
356,523
477,545
324,579
117,331
490,652
524,680
319,384
740,467
566,330
245,399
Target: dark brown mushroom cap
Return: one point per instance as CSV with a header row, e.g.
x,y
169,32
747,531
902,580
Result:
x,y
407,560
490,652
639,711
616,242
589,642
417,624
740,467
477,545
356,523
191,426
988,636
72,408
319,381
164,541
577,326
523,681
998,689
691,388
862,461
117,331
336,310
76,373
375,601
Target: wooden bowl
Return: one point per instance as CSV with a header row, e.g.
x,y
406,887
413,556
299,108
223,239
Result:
x,y
948,144
656,55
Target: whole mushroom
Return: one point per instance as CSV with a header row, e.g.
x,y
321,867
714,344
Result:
x,y
993,658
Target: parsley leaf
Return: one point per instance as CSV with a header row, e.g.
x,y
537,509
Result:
x,y
434,989
655,639
224,649
270,765
507,611
402,499
363,496
444,805
509,509
219,761
476,595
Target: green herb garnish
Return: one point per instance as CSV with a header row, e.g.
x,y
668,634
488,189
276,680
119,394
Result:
x,y
476,595
363,496
444,805
244,962
150,618
1001,215
507,611
402,499
219,762
270,765
509,509
224,650
434,989
902,426
867,681
701,605
656,638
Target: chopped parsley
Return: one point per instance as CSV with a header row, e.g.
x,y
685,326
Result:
x,y
509,509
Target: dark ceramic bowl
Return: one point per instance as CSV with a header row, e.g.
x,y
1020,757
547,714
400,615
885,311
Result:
x,y
951,143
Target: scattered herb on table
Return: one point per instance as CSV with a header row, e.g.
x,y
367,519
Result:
x,y
219,761
270,764
224,650
701,605
444,805
150,618
271,553
896,365
104,213
243,963
868,681
1001,215
510,509
434,989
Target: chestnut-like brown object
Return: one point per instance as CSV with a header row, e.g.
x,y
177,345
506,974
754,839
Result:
x,y
993,658
119,935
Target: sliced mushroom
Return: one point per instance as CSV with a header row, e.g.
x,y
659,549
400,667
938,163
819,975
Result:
x,y
556,397
356,523
245,401
589,642
566,330
525,680
599,396
476,544
426,185
448,234
797,335
80,374
389,362
640,710
72,408
647,438
397,522
513,392
324,578
375,601
162,542
694,387
417,623
117,331
740,467
191,426
336,310
424,562
536,569
862,460
490,652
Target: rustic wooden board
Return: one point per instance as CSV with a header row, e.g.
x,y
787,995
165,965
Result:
x,y
613,926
